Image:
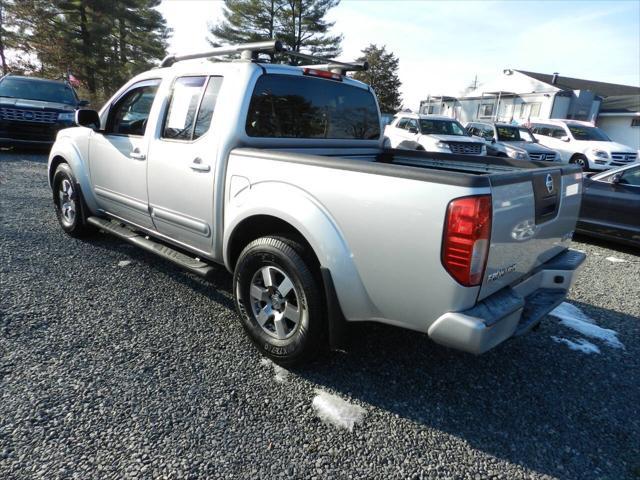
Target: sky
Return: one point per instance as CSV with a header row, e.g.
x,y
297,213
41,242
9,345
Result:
x,y
442,45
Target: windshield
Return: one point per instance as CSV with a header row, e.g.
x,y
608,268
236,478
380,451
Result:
x,y
526,135
580,132
508,134
28,89
441,127
288,106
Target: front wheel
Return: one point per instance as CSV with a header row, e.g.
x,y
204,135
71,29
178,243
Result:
x,y
582,161
67,199
279,300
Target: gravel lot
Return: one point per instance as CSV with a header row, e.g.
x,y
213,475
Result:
x,y
142,370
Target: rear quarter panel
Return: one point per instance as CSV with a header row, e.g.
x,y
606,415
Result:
x,y
379,236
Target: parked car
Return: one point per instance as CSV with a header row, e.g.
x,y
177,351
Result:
x,y
583,144
33,110
386,118
505,140
279,173
611,205
432,133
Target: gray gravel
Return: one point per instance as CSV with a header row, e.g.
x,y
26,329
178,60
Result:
x,y
142,371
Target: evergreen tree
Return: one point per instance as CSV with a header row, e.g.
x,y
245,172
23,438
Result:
x,y
299,24
7,36
103,42
382,76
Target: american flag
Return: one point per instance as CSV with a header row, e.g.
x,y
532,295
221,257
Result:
x,y
73,80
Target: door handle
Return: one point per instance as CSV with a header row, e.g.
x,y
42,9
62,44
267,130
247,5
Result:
x,y
198,166
136,154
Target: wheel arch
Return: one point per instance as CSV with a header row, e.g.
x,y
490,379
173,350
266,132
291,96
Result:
x,y
65,151
276,208
262,225
410,145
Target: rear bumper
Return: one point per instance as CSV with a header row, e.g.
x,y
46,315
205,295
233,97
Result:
x,y
512,311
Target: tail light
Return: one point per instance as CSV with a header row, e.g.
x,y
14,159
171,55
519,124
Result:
x,y
466,238
322,74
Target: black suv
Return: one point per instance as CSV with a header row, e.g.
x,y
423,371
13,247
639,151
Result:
x,y
32,110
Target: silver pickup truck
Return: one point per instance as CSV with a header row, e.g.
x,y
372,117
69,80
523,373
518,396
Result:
x,y
279,173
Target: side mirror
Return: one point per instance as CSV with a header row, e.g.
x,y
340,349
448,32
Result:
x,y
616,178
83,103
493,139
565,138
88,118
413,130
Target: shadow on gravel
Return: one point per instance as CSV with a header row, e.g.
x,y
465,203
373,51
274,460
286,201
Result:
x,y
213,287
531,401
598,242
17,154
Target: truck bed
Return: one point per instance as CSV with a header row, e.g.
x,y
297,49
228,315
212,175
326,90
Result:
x,y
390,205
450,169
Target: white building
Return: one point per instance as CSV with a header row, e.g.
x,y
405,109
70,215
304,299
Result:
x,y
620,117
518,96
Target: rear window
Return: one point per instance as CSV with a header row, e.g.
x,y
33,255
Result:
x,y
288,106
24,88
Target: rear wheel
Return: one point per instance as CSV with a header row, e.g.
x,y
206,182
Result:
x,y
279,300
68,202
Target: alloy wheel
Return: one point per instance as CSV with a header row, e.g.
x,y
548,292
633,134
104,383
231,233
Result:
x,y
275,302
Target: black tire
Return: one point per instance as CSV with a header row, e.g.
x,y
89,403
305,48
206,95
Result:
x,y
281,256
582,161
66,193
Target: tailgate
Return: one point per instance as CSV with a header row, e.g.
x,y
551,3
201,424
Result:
x,y
534,215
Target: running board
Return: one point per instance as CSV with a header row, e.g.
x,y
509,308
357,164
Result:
x,y
120,230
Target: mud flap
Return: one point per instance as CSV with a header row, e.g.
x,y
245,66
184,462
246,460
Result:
x,y
336,322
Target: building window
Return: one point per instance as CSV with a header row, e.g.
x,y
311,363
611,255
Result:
x,y
535,109
635,122
485,110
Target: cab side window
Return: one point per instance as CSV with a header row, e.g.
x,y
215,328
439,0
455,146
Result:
x,y
191,107
402,123
486,132
207,106
129,114
412,124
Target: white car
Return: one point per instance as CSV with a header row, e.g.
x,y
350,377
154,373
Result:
x,y
432,133
582,143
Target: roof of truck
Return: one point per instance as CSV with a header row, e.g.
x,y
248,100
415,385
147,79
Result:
x,y
207,67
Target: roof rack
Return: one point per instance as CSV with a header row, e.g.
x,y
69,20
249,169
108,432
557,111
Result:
x,y
250,51
247,51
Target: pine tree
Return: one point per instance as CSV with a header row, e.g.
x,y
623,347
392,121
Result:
x,y
103,42
299,24
6,35
382,76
